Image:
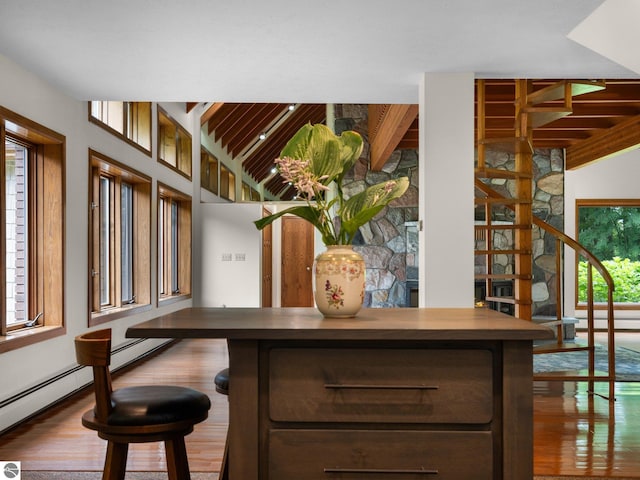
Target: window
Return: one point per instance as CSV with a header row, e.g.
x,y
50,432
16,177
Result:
x,y
208,171
227,184
129,120
174,244
31,210
249,194
610,230
246,192
119,239
174,144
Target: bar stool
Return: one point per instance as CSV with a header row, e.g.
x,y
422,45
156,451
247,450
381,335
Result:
x,y
221,381
140,414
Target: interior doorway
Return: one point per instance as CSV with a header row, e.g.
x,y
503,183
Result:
x,y
297,262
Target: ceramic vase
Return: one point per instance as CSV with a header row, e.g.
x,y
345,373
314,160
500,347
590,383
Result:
x,y
339,277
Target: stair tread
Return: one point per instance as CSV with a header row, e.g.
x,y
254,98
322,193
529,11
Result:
x,y
503,252
502,276
552,346
548,318
539,116
499,173
509,299
503,226
508,144
505,201
556,91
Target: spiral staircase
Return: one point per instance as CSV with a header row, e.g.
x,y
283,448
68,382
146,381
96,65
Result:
x,y
533,108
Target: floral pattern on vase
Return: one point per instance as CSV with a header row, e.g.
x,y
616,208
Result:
x,y
339,280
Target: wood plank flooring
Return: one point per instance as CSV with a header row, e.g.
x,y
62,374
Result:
x,y
574,433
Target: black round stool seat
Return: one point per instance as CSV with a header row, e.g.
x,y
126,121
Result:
x,y
221,381
157,404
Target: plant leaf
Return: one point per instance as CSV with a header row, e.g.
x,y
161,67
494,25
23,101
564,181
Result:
x,y
313,215
352,146
365,205
329,155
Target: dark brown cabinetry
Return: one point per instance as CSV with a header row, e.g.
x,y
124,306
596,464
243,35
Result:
x,y
404,393
371,411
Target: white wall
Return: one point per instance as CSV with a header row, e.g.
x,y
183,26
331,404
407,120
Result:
x,y
613,178
231,256
31,366
446,160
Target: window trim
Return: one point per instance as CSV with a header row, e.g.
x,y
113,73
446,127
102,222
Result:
x,y
208,159
180,132
227,185
47,258
185,268
123,136
101,166
593,202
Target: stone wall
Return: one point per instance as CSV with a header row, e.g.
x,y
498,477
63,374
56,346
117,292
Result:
x,y
389,242
548,205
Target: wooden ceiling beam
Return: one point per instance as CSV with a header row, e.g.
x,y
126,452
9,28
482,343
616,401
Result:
x,y
268,115
219,116
233,120
211,111
387,126
622,137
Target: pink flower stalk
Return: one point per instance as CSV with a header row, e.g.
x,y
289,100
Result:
x,y
297,172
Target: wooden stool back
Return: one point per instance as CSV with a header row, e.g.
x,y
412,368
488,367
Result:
x,y
138,414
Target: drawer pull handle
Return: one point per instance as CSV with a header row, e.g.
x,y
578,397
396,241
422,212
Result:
x,y
357,386
420,471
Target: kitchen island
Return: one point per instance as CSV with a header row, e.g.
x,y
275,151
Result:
x,y
393,393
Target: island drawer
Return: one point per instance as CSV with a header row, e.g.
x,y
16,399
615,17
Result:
x,y
388,454
381,385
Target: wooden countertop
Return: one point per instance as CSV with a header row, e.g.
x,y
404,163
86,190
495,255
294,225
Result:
x,y
369,324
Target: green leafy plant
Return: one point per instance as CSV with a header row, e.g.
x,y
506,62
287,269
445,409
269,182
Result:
x,y
313,160
626,278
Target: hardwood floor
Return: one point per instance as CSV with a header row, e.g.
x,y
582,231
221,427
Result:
x,y
574,433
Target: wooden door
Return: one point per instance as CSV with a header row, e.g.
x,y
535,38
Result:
x,y
297,263
267,258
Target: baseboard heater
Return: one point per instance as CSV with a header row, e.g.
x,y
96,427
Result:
x,y
49,381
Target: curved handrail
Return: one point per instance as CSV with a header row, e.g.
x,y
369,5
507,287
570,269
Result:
x,y
486,189
593,262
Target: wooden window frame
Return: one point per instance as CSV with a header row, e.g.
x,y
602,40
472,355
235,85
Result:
x,y
101,166
615,202
246,192
136,124
46,213
181,141
227,183
165,272
209,163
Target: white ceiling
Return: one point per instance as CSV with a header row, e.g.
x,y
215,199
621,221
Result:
x,y
358,51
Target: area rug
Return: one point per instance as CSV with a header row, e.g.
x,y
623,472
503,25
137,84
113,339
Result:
x,y
627,362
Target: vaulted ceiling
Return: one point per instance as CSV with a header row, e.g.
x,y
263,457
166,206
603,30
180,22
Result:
x,y
601,122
